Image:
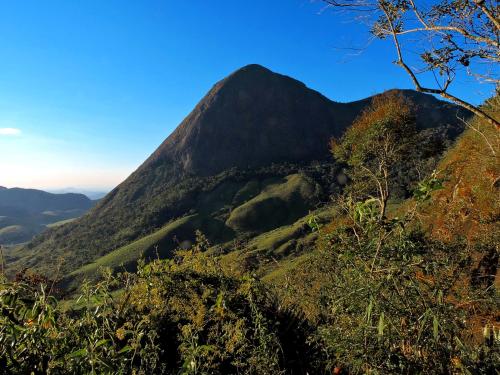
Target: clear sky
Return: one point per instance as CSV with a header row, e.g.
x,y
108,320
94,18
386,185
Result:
x,y
89,88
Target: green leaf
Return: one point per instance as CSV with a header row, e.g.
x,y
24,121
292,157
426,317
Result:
x,y
220,300
369,311
125,349
101,342
78,353
440,296
435,328
381,325
422,324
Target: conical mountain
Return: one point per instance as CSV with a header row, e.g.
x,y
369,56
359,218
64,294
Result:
x,y
253,118
247,122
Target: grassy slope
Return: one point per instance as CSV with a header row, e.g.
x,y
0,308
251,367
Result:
x,y
270,254
212,207
283,201
216,197
158,244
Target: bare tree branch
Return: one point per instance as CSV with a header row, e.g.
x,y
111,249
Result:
x,y
489,14
451,28
457,33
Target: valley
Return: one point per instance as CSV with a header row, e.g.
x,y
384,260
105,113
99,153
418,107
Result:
x,y
25,213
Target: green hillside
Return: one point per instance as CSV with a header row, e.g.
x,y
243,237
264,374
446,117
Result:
x,y
232,142
279,202
159,245
181,232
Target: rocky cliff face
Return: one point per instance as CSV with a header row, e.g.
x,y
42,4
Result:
x,y
252,118
255,117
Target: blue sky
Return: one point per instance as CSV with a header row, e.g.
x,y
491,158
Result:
x,y
90,88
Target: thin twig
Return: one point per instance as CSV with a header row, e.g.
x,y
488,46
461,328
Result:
x,y
466,123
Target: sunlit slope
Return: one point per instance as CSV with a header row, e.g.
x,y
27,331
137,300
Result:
x,y
468,206
159,244
280,202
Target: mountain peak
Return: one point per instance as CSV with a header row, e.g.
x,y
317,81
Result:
x,y
249,119
255,117
255,75
253,68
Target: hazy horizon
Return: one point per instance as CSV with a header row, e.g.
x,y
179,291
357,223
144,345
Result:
x,y
70,189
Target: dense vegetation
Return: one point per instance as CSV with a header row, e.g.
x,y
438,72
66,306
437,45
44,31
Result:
x,y
396,306
379,287
182,315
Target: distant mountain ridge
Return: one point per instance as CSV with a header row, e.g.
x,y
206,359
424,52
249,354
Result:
x,y
26,212
245,129
34,200
93,194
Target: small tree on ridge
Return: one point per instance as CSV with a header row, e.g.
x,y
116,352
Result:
x,y
377,142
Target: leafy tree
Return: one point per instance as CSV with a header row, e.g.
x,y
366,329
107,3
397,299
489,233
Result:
x,y
453,38
380,139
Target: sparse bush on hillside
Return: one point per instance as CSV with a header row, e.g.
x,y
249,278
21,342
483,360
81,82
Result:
x,y
468,206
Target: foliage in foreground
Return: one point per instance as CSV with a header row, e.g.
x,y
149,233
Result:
x,y
396,302
391,302
179,316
